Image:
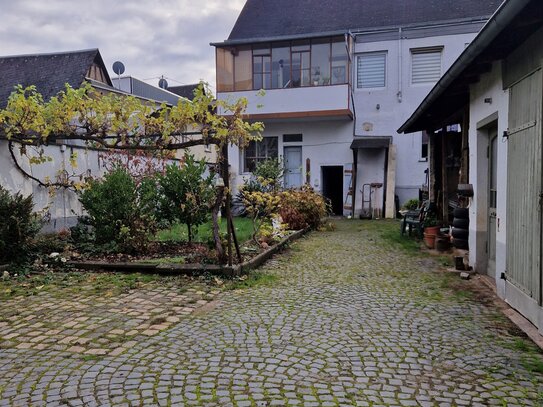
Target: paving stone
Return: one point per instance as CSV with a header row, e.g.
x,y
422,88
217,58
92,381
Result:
x,y
349,320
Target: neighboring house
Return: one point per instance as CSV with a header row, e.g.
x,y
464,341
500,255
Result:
x,y
339,78
170,96
49,73
186,91
137,87
495,89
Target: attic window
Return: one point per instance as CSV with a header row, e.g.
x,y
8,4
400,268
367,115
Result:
x,y
426,65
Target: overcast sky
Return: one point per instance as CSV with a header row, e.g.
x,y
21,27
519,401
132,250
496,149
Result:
x,y
151,37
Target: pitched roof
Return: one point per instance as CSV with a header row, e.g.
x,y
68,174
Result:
x,y
186,91
48,72
284,18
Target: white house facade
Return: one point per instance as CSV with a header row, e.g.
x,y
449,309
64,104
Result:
x,y
498,84
337,84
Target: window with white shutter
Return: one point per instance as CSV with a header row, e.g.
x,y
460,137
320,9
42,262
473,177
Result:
x,y
371,70
425,65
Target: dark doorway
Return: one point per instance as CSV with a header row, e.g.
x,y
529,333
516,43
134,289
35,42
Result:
x,y
332,187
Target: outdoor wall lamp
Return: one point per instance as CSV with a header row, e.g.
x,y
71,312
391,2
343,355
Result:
x,y
488,100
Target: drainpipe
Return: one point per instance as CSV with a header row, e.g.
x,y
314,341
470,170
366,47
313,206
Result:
x,y
400,66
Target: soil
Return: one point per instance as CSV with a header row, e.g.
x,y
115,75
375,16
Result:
x,y
192,253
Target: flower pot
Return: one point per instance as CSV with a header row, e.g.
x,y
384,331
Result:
x,y
429,240
432,230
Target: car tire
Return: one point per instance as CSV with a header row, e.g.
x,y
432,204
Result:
x,y
461,213
459,233
460,244
461,223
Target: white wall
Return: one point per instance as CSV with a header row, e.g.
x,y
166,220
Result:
x,y
307,99
393,111
325,142
489,86
61,206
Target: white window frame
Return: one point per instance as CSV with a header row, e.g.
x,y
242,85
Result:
x,y
267,155
385,69
422,51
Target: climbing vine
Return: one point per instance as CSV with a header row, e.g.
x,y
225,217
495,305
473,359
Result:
x,y
88,118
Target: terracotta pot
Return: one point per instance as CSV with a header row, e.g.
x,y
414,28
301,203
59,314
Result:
x,y
429,240
432,230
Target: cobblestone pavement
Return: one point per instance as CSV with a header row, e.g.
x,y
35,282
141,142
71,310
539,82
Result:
x,y
346,320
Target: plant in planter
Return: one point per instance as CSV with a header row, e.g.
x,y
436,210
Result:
x,y
411,205
431,229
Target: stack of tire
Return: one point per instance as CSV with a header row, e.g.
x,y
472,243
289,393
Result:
x,y
460,229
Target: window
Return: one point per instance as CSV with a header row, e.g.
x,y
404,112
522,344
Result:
x,y
262,68
301,63
424,147
281,65
225,70
320,62
258,151
292,138
340,60
425,65
286,64
371,70
243,73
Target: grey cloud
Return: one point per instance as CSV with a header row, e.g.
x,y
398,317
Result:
x,y
151,37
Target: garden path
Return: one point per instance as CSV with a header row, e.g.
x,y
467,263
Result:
x,y
344,318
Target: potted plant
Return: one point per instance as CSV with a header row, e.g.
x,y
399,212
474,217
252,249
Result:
x,y
431,230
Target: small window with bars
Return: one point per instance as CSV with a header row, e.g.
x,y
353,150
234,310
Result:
x,y
371,70
426,65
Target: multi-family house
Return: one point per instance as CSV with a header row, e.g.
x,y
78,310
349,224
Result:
x,y
339,77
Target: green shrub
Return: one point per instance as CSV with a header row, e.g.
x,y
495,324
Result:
x,y
411,205
186,194
18,226
269,174
118,210
302,208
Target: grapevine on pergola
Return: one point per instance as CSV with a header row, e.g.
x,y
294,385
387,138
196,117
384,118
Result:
x,y
112,121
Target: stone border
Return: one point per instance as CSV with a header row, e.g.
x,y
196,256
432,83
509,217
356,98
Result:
x,y
190,269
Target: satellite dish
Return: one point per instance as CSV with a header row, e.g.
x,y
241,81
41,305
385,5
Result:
x,y
162,83
118,67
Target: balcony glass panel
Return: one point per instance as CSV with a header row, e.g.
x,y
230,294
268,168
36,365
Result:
x,y
340,70
225,70
300,68
320,62
242,68
281,65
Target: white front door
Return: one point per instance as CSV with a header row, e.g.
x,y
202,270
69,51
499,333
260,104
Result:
x,y
293,167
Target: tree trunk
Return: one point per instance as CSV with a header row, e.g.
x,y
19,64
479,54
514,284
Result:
x,y
189,228
215,219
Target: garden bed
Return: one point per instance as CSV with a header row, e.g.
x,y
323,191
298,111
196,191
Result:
x,y
161,265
